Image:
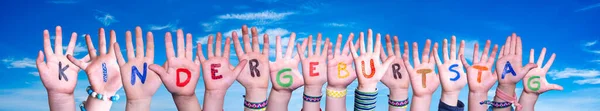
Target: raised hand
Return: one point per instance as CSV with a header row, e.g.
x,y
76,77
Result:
x,y
255,76
423,79
368,61
285,76
314,69
58,74
140,84
479,74
396,77
340,72
103,71
535,82
452,75
509,67
218,72
179,73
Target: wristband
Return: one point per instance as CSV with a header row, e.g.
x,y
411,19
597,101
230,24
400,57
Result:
x,y
312,98
365,101
506,97
100,96
82,106
496,104
398,104
260,106
336,94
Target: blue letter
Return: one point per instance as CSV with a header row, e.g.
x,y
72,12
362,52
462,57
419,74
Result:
x,y
508,69
135,71
452,70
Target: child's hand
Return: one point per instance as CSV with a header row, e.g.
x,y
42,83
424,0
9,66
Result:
x,y
219,74
452,75
255,76
423,79
396,77
508,67
479,75
368,65
535,80
340,73
284,71
314,67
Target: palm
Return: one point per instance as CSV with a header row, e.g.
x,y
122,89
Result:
x,y
253,78
479,75
511,53
535,80
423,79
486,81
452,74
284,71
341,79
392,79
218,72
318,75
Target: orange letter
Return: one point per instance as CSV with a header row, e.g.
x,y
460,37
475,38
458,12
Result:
x,y
372,69
480,68
423,78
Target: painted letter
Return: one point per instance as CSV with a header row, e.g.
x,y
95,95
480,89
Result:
x,y
537,83
313,68
135,71
452,70
372,69
508,69
423,77
396,71
253,70
288,84
479,68
214,71
104,72
342,67
187,72
61,71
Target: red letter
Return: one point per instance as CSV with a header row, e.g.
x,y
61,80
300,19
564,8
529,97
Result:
x,y
214,71
312,68
480,68
189,75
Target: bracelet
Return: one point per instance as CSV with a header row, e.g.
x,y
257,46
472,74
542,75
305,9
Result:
x,y
496,104
312,98
506,97
100,96
398,104
260,106
365,101
336,94
82,106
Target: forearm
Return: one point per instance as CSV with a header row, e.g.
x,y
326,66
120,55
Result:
x,y
527,100
398,95
450,98
213,100
420,103
278,100
312,91
333,103
61,102
187,103
474,99
508,89
138,105
95,104
255,95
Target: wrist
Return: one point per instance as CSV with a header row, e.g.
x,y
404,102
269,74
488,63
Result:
x,y
61,101
509,89
313,90
256,94
337,88
450,97
367,87
138,104
398,94
95,104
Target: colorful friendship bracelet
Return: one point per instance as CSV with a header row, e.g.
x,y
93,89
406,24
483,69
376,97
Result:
x,y
510,99
100,96
398,104
496,104
312,98
365,101
82,106
336,94
260,106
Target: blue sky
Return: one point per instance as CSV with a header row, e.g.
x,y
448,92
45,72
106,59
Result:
x,y
567,28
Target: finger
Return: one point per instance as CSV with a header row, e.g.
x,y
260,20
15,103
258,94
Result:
x,y
246,38
330,51
555,87
550,61
301,48
39,62
189,47
290,46
476,53
227,48
527,68
72,44
338,44
180,44
102,41
218,51
210,47
159,70
119,54
501,52
513,44
347,45
416,60
361,42
113,39
486,49
431,59
377,44
382,56
310,46
519,46
90,45
508,46
445,50
353,50
277,47
255,46
200,53
139,42
169,45
436,56
85,58
58,41
386,65
197,60
541,58
461,49
426,51
129,46
266,46
407,62
406,51
464,60
531,55
47,47
78,63
453,48
325,48
236,44
370,41
490,60
150,45
396,47
238,69
388,45
318,46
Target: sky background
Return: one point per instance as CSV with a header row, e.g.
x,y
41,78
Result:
x,y
568,28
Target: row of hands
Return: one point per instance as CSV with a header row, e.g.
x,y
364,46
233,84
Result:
x,y
139,95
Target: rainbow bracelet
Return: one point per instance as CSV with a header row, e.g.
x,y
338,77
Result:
x,y
398,104
496,104
312,98
100,96
260,106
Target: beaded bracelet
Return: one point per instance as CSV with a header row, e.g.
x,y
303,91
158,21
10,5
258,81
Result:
x,y
312,98
365,100
336,94
260,106
82,106
100,96
398,104
496,104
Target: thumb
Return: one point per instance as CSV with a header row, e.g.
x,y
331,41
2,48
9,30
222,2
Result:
x,y
555,87
158,70
78,63
527,68
238,69
385,66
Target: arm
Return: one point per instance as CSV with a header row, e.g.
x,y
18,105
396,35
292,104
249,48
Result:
x,y
314,69
535,82
479,75
285,76
340,74
423,78
254,77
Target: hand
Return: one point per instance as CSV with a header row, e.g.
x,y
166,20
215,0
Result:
x,y
57,64
254,77
535,81
286,68
218,72
140,83
313,66
422,71
368,79
509,68
396,77
340,72
451,69
479,75
179,74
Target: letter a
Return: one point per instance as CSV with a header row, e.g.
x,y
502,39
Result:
x,y
253,70
135,71
313,68
187,72
508,69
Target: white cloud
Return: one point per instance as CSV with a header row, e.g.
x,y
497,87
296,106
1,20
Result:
x,y
63,1
208,27
587,44
34,73
105,18
23,63
78,49
573,72
333,24
588,81
470,48
265,15
313,6
588,7
171,26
